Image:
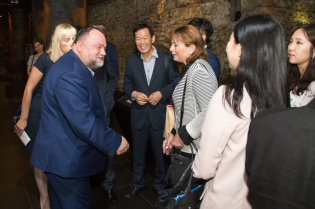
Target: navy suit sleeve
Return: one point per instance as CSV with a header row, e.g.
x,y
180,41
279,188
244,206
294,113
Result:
x,y
73,98
113,55
128,81
167,90
214,63
112,77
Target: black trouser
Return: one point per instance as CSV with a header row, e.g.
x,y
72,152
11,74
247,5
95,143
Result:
x,y
140,139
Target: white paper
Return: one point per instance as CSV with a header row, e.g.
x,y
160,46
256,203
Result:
x,y
25,138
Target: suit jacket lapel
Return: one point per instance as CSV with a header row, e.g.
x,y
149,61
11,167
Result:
x,y
141,68
157,66
87,74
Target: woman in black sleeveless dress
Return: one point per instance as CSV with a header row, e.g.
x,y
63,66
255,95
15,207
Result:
x,y
61,42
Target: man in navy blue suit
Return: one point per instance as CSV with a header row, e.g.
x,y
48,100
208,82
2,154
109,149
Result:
x,y
73,138
148,85
107,79
206,30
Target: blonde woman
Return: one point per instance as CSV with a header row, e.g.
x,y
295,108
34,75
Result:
x,y
39,48
61,43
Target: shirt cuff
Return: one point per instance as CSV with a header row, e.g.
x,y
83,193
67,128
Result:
x,y
173,131
132,99
184,135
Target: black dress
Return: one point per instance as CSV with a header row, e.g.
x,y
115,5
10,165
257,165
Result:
x,y
43,64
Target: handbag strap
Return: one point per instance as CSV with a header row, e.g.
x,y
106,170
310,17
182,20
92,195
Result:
x,y
192,144
182,108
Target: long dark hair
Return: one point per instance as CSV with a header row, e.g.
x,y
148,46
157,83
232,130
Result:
x,y
262,67
294,76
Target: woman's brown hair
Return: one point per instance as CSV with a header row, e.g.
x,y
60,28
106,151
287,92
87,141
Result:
x,y
190,35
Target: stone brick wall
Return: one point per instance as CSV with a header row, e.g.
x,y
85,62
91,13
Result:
x,y
121,16
289,13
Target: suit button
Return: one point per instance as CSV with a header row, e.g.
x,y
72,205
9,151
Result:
x,y
148,92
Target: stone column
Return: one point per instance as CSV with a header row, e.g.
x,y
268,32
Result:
x,y
18,37
47,14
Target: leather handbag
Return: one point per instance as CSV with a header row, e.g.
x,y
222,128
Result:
x,y
180,197
177,167
179,162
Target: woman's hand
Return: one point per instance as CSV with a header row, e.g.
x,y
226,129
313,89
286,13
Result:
x,y
177,142
167,146
20,126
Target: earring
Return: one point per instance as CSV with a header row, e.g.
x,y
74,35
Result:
x,y
189,53
238,55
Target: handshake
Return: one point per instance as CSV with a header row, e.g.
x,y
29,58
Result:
x,y
142,99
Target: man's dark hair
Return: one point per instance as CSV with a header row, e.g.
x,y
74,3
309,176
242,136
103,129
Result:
x,y
86,30
204,27
142,26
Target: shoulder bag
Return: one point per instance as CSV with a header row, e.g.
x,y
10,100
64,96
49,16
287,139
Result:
x,y
179,162
181,196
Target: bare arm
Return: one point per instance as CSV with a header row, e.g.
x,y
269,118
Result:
x,y
28,70
31,84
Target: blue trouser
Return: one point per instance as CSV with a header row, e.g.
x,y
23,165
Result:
x,y
108,183
69,193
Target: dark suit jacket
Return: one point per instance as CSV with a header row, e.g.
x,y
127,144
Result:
x,y
73,137
214,63
107,78
135,80
280,158
111,52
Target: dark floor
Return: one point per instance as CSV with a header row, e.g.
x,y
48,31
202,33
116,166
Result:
x,y
18,188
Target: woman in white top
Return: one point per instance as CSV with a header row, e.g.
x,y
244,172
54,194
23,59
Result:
x,y
301,65
257,53
39,48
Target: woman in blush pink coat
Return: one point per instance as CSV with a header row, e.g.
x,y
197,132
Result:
x,y
257,53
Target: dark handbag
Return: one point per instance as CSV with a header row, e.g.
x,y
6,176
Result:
x,y
181,197
179,162
178,165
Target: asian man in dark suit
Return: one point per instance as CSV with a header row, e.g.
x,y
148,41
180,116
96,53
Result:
x,y
73,138
280,156
145,84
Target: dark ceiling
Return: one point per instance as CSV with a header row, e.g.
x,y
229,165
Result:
x,y
7,5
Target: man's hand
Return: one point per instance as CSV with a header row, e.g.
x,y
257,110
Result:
x,y
140,98
124,146
155,98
